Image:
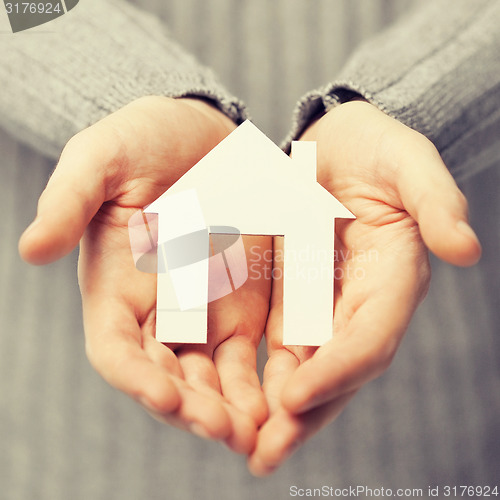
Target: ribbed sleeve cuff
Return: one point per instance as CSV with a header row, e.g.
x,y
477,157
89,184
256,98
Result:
x,y
91,62
432,71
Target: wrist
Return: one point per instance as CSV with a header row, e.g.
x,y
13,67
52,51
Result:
x,y
340,102
209,108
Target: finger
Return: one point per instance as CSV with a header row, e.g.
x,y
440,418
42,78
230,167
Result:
x,y
274,325
200,374
282,362
243,431
279,368
430,194
115,349
237,429
113,345
198,413
236,363
236,323
194,412
199,369
160,354
73,195
119,318
284,433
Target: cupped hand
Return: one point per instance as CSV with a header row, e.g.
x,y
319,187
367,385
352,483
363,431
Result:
x,y
394,181
105,174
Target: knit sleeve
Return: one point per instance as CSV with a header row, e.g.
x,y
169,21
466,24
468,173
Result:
x,y
61,77
437,71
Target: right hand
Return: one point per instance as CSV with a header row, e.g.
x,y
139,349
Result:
x,y
105,174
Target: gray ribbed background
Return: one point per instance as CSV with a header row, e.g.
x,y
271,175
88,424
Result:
x,y
432,419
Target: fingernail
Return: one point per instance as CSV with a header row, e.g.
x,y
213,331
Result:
x,y
199,430
466,230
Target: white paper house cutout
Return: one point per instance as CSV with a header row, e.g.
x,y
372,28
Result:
x,y
249,183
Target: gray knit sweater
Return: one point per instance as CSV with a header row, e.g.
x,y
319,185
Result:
x,y
432,420
437,71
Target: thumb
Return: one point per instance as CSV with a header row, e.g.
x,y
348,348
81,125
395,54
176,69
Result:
x,y
431,196
74,194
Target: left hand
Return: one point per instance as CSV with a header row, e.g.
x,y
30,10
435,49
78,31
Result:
x,y
394,181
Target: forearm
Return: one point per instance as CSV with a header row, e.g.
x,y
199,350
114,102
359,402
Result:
x,y
437,71
93,61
